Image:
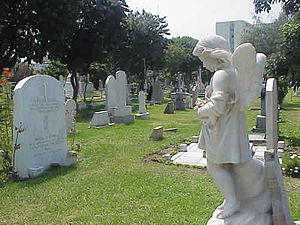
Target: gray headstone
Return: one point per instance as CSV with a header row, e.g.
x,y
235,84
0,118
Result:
x,y
100,119
169,108
179,103
157,93
142,102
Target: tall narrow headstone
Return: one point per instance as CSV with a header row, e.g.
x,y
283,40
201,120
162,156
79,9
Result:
x,y
280,206
199,84
39,115
68,89
142,113
260,126
70,110
142,102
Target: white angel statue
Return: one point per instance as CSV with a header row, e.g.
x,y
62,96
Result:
x,y
235,84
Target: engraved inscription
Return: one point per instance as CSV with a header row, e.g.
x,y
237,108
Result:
x,y
42,106
47,143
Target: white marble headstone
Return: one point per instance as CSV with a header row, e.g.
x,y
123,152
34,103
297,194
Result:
x,y
280,204
68,89
116,90
39,108
142,104
70,110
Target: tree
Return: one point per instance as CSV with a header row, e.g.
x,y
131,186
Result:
x,y
97,33
143,44
283,63
31,28
291,47
179,57
266,38
55,69
290,6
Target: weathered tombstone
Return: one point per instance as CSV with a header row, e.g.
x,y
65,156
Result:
x,y
70,111
128,100
280,207
157,93
100,119
188,102
116,98
261,119
179,83
169,108
199,84
68,89
85,86
179,103
142,113
157,133
116,90
194,95
39,118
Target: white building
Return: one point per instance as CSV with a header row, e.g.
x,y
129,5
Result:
x,y
232,31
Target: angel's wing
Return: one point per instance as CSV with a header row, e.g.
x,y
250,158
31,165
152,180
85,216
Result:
x,y
249,69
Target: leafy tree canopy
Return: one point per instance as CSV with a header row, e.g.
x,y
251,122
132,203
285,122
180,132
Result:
x,y
55,69
31,28
143,44
179,57
290,6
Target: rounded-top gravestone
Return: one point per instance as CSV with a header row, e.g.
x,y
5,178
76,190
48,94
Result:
x,y
40,125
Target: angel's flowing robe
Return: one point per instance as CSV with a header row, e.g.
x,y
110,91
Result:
x,y
224,133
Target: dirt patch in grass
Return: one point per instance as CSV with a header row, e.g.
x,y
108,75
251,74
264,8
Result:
x,y
157,157
153,157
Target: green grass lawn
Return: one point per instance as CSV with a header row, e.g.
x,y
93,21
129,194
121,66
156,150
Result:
x,y
112,185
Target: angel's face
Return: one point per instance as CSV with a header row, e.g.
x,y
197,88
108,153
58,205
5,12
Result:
x,y
209,62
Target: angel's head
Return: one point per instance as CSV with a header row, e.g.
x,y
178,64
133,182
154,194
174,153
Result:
x,y
214,52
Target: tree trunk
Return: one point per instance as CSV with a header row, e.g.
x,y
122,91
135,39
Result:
x,y
84,92
74,82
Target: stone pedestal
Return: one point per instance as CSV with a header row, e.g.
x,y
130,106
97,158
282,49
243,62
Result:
x,y
143,116
122,114
260,124
100,119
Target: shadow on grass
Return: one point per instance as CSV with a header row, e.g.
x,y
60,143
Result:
x,y
290,108
45,177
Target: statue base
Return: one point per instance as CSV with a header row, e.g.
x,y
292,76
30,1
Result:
x,y
241,218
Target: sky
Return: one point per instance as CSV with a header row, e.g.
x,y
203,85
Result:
x,y
197,18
